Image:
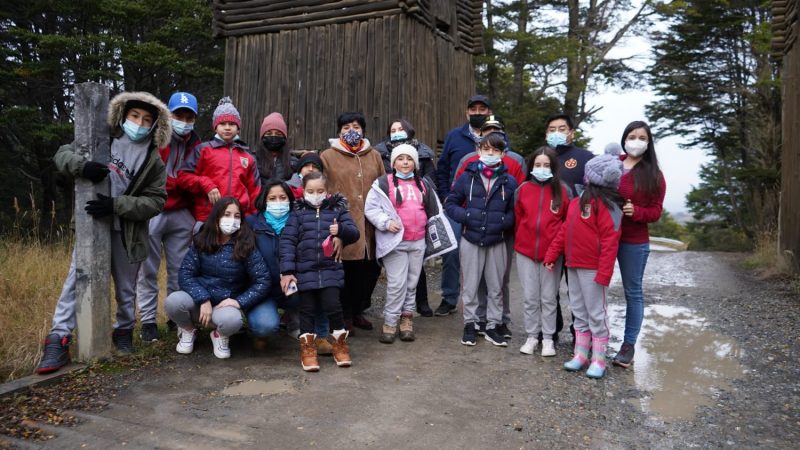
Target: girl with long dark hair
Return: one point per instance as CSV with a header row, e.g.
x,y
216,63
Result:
x,y
275,160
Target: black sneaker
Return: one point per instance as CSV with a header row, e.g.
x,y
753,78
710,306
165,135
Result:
x,y
123,340
55,354
470,337
624,357
493,335
503,330
444,309
150,333
481,328
424,310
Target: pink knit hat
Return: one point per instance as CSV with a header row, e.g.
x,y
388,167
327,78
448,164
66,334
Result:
x,y
274,121
226,112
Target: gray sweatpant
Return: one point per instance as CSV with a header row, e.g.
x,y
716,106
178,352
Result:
x,y
488,263
539,288
506,293
172,230
403,266
124,275
587,300
186,313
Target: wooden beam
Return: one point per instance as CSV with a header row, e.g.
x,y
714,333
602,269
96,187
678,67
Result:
x,y
277,28
92,236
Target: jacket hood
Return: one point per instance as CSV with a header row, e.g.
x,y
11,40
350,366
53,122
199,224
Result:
x,y
335,201
336,145
163,129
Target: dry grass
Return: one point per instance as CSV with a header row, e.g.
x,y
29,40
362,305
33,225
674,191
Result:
x,y
766,263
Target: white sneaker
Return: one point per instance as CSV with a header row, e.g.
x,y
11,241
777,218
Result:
x,y
185,341
220,343
548,348
529,346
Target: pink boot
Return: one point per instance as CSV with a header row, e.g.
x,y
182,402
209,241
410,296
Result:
x,y
598,367
581,355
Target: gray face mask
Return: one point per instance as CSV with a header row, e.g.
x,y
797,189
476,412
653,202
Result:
x,y
635,147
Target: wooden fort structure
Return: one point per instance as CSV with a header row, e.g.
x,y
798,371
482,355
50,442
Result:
x,y
785,45
312,59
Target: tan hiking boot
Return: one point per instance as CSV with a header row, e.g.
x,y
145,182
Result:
x,y
388,334
341,353
406,328
324,347
308,352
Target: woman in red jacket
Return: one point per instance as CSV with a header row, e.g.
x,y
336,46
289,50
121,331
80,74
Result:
x,y
540,205
642,187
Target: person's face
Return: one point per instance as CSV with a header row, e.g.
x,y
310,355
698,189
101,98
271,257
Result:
x,y
184,115
316,187
541,161
404,164
274,133
277,194
561,126
396,126
227,130
232,211
307,169
478,108
140,117
350,126
637,134
488,150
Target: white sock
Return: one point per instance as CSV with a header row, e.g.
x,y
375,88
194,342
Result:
x,y
337,333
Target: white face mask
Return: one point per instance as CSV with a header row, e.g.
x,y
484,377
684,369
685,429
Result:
x,y
229,225
635,147
314,199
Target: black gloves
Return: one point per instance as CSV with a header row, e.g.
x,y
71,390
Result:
x,y
95,171
102,207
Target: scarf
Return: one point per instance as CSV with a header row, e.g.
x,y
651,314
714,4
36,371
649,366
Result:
x,y
347,146
277,224
489,172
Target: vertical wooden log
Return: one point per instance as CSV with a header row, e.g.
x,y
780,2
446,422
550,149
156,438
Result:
x,y
92,236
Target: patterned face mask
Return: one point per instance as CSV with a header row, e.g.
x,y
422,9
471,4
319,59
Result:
x,y
352,137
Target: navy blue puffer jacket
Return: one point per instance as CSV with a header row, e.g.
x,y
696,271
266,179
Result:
x,y
301,243
217,276
487,218
267,242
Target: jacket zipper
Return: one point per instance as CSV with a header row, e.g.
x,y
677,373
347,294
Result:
x,y
538,222
230,171
319,256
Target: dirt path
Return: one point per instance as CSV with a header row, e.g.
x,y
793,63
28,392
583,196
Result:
x,y
716,367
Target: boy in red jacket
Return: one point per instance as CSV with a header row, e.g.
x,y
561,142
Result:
x,y
589,240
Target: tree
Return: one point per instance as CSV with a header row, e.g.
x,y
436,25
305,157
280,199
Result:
x,y
720,91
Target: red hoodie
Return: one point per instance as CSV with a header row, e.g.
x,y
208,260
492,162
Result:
x,y
588,241
646,208
513,166
173,155
537,223
227,167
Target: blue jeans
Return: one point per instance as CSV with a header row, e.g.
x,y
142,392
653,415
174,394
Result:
x,y
451,270
632,260
263,319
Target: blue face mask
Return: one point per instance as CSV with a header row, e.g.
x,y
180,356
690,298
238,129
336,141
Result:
x,y
181,128
491,160
352,137
404,176
556,138
542,173
398,136
278,209
135,132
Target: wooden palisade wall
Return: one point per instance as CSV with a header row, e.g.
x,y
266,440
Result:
x,y
388,59
786,30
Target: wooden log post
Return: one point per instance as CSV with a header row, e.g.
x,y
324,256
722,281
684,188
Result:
x,y
92,236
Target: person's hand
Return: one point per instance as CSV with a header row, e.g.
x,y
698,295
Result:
x,y
95,171
205,313
334,228
228,302
549,266
285,280
338,245
627,209
103,206
213,195
394,227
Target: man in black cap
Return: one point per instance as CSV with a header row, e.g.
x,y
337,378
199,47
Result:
x,y
460,141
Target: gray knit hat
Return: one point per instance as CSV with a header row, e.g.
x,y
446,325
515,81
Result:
x,y
605,170
226,112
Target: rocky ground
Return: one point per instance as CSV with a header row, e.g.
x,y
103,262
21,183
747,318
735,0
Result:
x,y
715,367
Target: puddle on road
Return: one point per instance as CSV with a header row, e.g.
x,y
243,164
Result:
x,y
258,387
679,361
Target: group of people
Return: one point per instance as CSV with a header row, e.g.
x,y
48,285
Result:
x,y
247,234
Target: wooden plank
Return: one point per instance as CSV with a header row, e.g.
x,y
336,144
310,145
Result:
x,y
240,5
352,11
369,80
256,29
25,383
336,8
92,235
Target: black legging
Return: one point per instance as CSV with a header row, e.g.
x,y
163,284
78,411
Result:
x,y
328,300
360,278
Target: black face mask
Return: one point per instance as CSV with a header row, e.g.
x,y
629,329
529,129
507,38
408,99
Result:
x,y
273,143
476,121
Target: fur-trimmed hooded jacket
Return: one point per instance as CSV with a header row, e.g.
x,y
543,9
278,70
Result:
x,y
146,195
301,243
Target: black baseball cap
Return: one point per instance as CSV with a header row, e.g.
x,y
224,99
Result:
x,y
479,99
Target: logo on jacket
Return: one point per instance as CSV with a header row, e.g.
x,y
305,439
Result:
x,y
587,211
244,161
571,163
